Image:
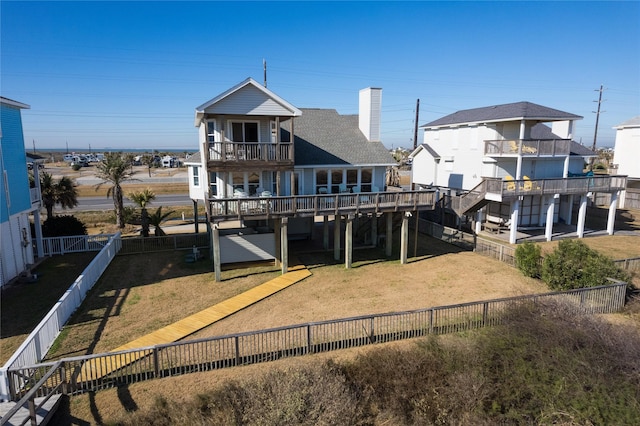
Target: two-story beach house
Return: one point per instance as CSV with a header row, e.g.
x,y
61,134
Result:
x,y
626,158
512,165
268,164
17,199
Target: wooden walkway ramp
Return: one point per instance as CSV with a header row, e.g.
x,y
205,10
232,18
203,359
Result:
x,y
191,324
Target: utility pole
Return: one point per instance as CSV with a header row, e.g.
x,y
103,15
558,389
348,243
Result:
x,y
415,142
264,66
595,133
415,129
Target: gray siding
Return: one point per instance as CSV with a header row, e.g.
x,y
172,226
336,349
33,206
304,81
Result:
x,y
248,101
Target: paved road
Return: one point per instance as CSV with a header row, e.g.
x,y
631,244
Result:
x,y
104,203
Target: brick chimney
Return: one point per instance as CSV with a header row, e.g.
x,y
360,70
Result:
x,y
369,112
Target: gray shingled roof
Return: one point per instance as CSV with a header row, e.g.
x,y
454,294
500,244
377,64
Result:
x,y
194,159
506,112
633,122
322,136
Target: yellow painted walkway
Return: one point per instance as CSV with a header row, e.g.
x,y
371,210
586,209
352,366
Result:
x,y
191,324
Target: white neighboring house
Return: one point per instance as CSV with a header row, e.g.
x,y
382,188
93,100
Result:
x,y
627,158
503,165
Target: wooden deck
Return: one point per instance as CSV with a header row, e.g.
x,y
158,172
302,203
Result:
x,y
191,324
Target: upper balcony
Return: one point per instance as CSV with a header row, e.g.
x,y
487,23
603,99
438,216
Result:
x,y
231,156
528,148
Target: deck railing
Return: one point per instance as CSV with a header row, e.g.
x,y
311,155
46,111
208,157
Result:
x,y
92,373
498,190
250,151
527,147
166,243
74,244
329,204
36,345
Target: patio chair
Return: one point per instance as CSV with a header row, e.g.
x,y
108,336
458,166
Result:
x,y
511,185
322,190
343,188
355,189
527,185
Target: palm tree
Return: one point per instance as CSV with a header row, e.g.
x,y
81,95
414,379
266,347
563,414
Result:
x,y
62,192
115,170
156,219
143,198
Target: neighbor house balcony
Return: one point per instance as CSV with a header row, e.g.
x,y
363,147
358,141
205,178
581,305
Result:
x,y
499,190
528,148
231,156
319,205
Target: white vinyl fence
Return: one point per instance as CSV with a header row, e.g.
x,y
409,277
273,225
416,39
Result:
x,y
45,333
75,244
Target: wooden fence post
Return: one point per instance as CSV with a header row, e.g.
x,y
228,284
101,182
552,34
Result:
x,y
156,364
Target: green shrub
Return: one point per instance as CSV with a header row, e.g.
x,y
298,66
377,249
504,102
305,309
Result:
x,y
59,226
573,264
76,167
528,259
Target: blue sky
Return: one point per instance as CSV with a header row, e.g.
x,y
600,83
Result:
x,y
130,74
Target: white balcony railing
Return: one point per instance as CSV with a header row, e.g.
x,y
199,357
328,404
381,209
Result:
x,y
527,147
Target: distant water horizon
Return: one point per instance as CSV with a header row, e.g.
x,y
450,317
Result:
x,y
102,150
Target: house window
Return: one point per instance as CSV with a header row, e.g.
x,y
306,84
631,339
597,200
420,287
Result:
x,y
366,180
213,179
254,183
238,182
196,176
274,132
448,164
211,131
244,131
352,178
336,181
322,182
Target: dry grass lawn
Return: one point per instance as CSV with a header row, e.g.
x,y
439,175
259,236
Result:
x,y
140,293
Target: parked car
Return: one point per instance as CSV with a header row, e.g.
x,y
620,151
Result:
x,y
82,162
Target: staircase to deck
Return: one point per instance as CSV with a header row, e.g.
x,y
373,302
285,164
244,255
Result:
x,y
476,198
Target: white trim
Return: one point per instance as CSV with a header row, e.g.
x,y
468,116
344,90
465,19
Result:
x,y
13,103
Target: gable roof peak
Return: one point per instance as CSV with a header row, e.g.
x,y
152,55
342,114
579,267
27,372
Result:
x,y
292,110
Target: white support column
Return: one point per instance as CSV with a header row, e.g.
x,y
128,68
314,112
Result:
x,y
336,237
582,214
519,160
278,236
404,238
548,232
611,219
565,170
513,229
216,253
284,245
478,221
348,242
38,227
